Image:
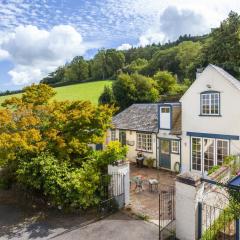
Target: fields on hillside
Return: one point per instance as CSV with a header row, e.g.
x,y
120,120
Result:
x,y
82,91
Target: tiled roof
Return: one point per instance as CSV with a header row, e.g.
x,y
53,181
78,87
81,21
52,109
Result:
x,y
138,117
176,120
228,76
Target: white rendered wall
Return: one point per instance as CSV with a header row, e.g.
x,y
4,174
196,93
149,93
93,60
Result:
x,y
122,169
228,123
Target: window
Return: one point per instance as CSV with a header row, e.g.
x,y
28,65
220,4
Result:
x,y
222,151
196,154
165,117
208,152
113,135
165,109
210,103
165,146
144,142
175,146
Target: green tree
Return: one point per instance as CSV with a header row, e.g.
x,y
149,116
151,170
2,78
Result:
x,y
107,96
165,81
136,66
135,88
188,53
223,48
77,70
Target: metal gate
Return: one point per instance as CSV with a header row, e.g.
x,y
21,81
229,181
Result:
x,y
167,225
112,193
216,223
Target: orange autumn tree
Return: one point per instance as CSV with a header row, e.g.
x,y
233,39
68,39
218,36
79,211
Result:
x,y
34,123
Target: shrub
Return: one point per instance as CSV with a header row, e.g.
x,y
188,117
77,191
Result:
x,y
59,183
149,162
213,169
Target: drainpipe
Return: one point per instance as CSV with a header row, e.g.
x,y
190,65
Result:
x,y
180,140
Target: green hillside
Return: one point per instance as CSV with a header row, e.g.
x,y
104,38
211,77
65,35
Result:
x,y
82,91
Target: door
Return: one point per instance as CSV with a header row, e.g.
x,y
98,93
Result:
x,y
122,137
165,153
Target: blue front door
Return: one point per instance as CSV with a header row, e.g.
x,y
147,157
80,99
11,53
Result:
x,y
165,153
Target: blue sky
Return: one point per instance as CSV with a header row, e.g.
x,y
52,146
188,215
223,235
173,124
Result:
x,y
38,36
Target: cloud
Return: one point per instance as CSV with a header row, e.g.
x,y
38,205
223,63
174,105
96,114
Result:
x,y
175,22
172,23
36,52
3,54
124,46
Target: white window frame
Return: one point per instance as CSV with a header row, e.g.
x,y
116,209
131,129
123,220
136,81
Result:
x,y
175,146
192,153
203,152
215,140
113,135
228,148
144,142
205,102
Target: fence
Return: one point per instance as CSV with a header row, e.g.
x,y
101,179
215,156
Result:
x,y
112,193
216,223
167,213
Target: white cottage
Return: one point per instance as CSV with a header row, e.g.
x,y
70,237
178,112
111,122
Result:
x,y
137,127
210,120
194,134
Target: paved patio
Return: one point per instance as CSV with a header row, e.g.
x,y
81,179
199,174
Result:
x,y
144,202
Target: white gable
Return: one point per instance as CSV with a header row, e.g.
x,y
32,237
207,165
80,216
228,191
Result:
x,y
213,78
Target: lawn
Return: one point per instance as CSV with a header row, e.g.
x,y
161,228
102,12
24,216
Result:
x,y
82,91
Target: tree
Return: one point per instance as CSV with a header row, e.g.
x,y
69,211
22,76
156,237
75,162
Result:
x,y
77,70
223,48
33,123
107,96
188,54
135,88
136,66
44,146
164,60
106,63
165,81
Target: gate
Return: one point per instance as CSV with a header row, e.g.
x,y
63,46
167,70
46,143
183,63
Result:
x,y
167,225
112,193
215,220
216,223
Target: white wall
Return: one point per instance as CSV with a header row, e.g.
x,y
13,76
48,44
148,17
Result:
x,y
132,150
228,123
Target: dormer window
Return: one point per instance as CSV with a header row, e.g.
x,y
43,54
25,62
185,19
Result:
x,y
165,117
210,103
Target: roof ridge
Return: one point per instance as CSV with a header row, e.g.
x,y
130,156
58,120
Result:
x,y
234,81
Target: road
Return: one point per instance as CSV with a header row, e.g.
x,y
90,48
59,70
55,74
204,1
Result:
x,y
15,224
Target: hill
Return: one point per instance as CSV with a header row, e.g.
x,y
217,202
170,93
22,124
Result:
x,y
82,91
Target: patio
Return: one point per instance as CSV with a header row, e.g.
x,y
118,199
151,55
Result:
x,y
143,201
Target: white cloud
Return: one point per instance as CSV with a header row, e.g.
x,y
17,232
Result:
x,y
36,52
124,46
3,54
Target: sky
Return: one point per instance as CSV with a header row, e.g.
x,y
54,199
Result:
x,y
38,36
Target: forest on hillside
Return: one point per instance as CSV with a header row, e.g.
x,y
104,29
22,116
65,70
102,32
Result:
x,y
181,58
150,73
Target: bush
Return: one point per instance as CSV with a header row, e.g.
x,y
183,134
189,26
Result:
x,y
59,183
149,162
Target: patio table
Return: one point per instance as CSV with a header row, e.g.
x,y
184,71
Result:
x,y
153,185
138,180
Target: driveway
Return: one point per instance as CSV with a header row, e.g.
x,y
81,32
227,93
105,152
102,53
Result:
x,y
16,223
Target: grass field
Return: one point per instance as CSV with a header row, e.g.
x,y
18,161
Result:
x,y
82,91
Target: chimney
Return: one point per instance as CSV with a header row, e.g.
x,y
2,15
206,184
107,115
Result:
x,y
198,72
